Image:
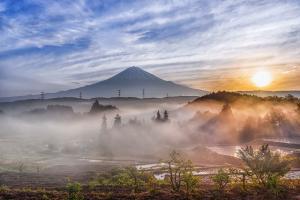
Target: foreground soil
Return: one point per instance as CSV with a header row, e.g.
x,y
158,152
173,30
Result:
x,y
161,194
32,186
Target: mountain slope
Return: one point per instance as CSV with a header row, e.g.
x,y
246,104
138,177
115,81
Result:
x,y
131,82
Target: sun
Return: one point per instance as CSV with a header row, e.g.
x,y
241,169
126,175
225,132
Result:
x,y
262,78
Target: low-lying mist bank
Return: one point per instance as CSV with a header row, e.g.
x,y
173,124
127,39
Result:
x,y
66,132
226,118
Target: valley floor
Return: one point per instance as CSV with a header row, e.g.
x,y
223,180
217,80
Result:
x,y
33,186
205,191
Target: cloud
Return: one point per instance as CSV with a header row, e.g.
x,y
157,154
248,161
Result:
x,y
189,41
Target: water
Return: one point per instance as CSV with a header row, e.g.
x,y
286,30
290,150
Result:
x,y
294,174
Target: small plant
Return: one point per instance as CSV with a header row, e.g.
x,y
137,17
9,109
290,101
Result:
x,y
74,191
45,197
153,185
238,176
264,166
135,177
121,178
4,188
20,167
92,184
130,176
221,179
190,181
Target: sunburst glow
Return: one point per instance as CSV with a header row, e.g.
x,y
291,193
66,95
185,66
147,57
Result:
x,y
262,78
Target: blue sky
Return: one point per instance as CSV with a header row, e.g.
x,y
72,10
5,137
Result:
x,y
206,44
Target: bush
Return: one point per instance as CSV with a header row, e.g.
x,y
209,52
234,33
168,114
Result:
x,y
180,172
221,179
45,197
238,176
20,166
264,166
4,188
190,181
129,176
74,191
153,185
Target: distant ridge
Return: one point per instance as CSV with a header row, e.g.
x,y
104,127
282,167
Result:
x,y
262,93
131,82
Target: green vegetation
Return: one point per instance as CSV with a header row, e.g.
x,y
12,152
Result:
x,y
98,108
180,172
230,97
74,191
20,166
126,177
190,181
221,179
264,166
260,178
159,118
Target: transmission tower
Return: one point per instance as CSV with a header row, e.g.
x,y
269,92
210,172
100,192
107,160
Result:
x,y
143,93
42,96
119,93
80,95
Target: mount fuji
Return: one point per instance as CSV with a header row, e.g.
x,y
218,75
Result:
x,y
132,82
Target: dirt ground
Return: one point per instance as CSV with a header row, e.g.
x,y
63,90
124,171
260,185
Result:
x,y
31,186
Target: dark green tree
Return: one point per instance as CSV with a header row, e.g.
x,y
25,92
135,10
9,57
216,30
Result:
x,y
221,179
104,123
166,116
95,107
180,172
118,121
158,116
74,191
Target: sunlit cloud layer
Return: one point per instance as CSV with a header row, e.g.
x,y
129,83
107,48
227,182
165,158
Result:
x,y
212,45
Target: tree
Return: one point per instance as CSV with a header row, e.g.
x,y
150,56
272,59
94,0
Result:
x,y
221,179
264,166
95,107
128,176
226,111
118,121
166,116
180,172
298,108
104,123
138,178
20,166
248,131
98,108
190,181
74,191
291,98
158,116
